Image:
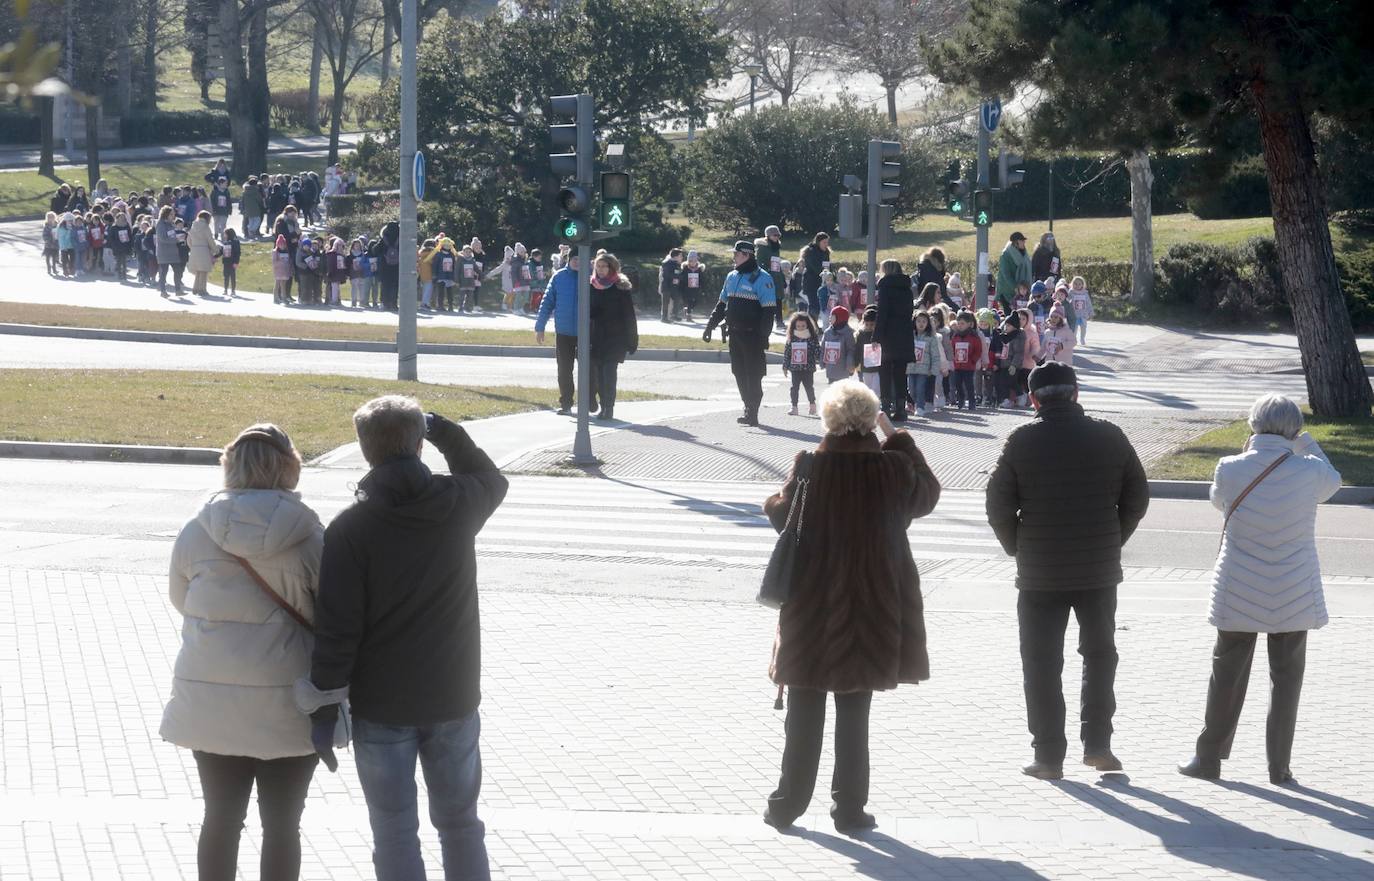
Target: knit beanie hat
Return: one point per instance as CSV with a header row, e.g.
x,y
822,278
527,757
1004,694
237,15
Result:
x,y
840,314
955,284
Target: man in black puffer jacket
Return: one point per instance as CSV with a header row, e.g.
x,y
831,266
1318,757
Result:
x,y
1065,496
396,620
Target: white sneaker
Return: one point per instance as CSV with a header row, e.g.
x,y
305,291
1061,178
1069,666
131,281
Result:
x,y
793,411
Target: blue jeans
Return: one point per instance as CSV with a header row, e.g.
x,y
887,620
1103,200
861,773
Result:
x,y
452,765
917,384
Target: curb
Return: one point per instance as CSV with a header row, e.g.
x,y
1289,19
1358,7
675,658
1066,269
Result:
x,y
702,356
142,455
1197,490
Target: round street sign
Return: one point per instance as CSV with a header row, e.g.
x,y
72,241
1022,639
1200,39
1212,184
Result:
x,y
417,176
991,114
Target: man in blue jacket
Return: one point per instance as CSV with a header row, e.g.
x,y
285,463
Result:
x,y
748,305
560,301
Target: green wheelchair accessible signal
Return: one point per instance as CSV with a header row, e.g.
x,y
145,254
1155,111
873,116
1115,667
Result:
x,y
956,207
571,230
615,215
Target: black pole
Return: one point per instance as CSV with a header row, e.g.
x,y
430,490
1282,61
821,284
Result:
x,y
1051,195
753,82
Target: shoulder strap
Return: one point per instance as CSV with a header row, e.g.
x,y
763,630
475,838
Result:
x,y
1254,483
272,594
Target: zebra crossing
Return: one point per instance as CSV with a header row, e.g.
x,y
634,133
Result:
x,y
689,523
1179,394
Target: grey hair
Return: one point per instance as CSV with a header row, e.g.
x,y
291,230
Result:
x,y
1275,414
1047,393
389,426
849,406
261,457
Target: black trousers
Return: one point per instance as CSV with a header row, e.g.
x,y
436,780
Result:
x,y
1231,658
227,782
892,381
801,755
804,379
605,372
748,364
1043,616
565,352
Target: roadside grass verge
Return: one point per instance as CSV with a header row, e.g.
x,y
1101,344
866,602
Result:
x,y
199,409
1348,443
247,325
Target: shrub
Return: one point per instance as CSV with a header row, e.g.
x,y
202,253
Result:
x,y
370,107
290,108
172,127
1242,192
19,128
348,204
1356,269
651,233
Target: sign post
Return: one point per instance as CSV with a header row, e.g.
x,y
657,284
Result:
x,y
406,334
988,116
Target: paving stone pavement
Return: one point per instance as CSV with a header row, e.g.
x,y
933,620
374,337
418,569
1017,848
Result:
x,y
628,737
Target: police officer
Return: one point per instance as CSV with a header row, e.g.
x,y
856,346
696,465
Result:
x,y
768,251
748,305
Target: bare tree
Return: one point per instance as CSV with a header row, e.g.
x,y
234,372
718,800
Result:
x,y
351,34
785,38
883,37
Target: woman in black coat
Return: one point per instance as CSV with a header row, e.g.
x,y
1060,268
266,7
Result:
x,y
615,330
815,259
931,270
893,333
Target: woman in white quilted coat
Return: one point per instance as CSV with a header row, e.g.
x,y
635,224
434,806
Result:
x,y
1267,580
241,653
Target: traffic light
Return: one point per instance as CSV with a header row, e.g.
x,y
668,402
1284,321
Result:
x,y
880,171
579,137
956,189
851,224
616,215
982,207
1008,175
884,236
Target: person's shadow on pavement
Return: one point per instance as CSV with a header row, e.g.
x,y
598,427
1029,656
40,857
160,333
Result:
x,y
1208,839
1342,813
884,858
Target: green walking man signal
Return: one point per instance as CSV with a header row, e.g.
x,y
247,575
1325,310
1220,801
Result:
x,y
982,207
616,214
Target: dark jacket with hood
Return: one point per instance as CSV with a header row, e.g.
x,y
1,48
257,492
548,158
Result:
x,y
928,273
1065,496
396,618
893,330
854,620
615,329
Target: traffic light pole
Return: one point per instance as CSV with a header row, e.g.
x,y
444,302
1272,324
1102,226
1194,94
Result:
x,y
586,171
406,340
872,296
980,288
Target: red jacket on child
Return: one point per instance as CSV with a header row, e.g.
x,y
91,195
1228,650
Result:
x,y
968,349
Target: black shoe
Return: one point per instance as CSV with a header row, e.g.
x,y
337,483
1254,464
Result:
x,y
1201,769
752,420
848,823
564,411
1282,778
777,823
1044,770
605,416
1102,760
744,420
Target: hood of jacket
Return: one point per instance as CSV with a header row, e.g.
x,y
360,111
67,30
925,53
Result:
x,y
404,491
897,280
256,523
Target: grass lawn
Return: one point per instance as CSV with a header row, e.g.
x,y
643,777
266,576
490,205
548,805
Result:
x,y
1348,443
175,408
1107,238
247,325
27,193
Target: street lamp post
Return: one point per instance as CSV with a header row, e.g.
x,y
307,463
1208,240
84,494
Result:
x,y
753,70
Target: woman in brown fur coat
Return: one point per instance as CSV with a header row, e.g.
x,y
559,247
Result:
x,y
853,622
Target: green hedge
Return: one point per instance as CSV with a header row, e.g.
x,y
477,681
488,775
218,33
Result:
x,y
18,128
173,127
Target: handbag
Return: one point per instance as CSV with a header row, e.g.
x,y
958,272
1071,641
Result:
x,y
777,578
1240,498
343,726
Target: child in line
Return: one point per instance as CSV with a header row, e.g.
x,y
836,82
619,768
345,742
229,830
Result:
x,y
281,272
1082,306
1010,353
82,245
96,232
50,249
968,351
858,292
922,371
147,252
231,250
801,353
336,269
121,244
469,277
984,389
1059,337
66,244
444,266
937,396
837,346
867,363
539,278
359,274
424,268
954,289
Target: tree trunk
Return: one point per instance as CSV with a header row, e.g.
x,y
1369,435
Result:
x,y
891,102
338,66
45,137
1142,228
259,94
124,77
247,123
148,80
1337,385
388,37
92,144
312,110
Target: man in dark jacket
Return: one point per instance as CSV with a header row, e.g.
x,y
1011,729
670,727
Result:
x,y
396,621
748,304
670,284
1067,493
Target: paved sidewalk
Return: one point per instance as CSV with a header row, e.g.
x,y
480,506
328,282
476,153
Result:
x,y
12,158
627,737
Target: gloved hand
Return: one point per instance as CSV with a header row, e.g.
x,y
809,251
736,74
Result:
x,y
706,336
429,423
322,738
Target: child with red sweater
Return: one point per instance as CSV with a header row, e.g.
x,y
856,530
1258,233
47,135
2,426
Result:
x,y
967,345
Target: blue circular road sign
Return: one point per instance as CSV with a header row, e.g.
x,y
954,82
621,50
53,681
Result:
x,y
417,176
991,114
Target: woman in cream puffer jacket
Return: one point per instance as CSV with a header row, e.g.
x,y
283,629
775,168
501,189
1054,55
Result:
x,y
231,701
1267,580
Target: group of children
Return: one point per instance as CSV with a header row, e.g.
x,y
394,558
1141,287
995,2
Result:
x,y
451,275
964,359
321,266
